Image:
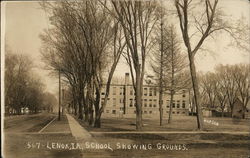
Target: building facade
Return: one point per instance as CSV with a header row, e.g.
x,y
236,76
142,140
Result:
x,y
121,101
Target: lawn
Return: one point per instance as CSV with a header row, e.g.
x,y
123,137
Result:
x,y
198,145
179,123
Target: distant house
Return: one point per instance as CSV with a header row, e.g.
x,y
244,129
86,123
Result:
x,y
238,110
247,112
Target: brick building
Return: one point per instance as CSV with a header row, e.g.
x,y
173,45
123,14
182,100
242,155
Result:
x,y
121,101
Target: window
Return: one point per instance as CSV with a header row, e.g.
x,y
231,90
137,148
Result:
x,y
178,105
145,112
131,102
103,93
155,102
121,90
183,93
114,101
113,111
173,112
150,112
167,112
150,91
150,102
183,112
145,102
107,111
114,90
178,112
173,103
168,103
183,104
154,91
145,91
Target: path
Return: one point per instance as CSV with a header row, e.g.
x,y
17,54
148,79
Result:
x,y
77,130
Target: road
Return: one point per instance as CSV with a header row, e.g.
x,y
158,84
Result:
x,y
22,134
26,123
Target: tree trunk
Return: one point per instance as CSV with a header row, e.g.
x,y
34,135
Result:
x,y
161,72
170,107
160,106
97,122
80,116
138,98
91,102
75,109
196,93
222,112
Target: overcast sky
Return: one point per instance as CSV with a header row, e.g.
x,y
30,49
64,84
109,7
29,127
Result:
x,y
24,21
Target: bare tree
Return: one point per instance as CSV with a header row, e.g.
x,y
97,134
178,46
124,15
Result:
x,y
205,24
159,58
175,78
209,86
169,64
118,44
137,20
64,50
220,94
229,83
241,76
22,89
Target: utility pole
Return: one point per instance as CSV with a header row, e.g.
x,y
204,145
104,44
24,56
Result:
x,y
59,109
161,72
63,100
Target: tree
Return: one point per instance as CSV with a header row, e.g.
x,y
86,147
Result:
x,y
118,47
83,52
176,78
22,89
228,82
137,19
209,85
159,59
169,65
241,76
221,95
206,23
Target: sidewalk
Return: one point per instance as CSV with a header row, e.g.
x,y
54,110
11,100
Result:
x,y
56,126
77,130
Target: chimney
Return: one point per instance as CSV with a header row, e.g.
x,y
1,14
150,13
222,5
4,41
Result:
x,y
126,78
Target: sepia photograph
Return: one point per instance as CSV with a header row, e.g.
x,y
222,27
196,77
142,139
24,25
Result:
x,y
125,79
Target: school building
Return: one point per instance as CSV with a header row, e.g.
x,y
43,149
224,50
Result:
x,y
121,101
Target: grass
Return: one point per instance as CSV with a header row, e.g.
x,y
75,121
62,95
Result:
x,y
180,123
202,145
58,126
199,145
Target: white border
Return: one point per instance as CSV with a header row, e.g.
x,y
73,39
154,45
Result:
x,y
3,6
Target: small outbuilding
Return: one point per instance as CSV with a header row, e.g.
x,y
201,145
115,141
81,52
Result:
x,y
239,111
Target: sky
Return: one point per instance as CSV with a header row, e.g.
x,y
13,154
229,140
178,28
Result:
x,y
22,22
